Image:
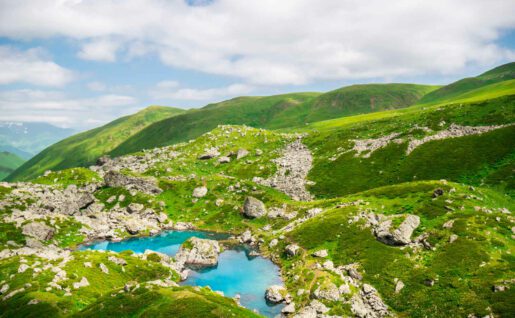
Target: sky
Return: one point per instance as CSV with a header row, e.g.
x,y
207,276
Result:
x,y
80,64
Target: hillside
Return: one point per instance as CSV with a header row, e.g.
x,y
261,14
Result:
x,y
454,90
8,163
84,148
279,111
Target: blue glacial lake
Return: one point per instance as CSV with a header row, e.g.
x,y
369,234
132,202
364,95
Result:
x,y
236,273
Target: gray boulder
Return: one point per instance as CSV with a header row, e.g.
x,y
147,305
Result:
x,y
276,294
401,235
117,179
38,230
199,252
253,208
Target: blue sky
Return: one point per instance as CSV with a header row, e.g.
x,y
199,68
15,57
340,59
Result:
x,y
80,64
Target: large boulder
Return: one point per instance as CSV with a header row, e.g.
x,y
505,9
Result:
x,y
38,230
399,236
200,192
276,294
199,252
117,179
253,208
327,291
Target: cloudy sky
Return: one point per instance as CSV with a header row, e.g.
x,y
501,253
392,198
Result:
x,y
80,64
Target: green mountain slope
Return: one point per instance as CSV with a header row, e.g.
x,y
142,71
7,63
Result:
x,y
501,73
276,112
84,148
8,163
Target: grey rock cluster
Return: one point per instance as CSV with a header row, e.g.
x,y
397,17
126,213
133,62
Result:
x,y
199,252
117,179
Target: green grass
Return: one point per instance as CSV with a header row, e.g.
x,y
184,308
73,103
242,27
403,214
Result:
x,y
8,163
83,149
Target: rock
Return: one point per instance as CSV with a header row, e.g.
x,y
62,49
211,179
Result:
x,y
103,160
162,217
200,192
117,260
354,273
453,238
246,237
117,179
344,289
111,199
368,304
318,306
83,283
103,268
321,253
429,282
498,288
437,192
135,208
273,243
276,294
199,252
23,268
259,152
292,249
4,289
399,286
253,208
210,153
242,153
401,235
224,159
327,291
448,224
289,309
38,230
133,226
33,243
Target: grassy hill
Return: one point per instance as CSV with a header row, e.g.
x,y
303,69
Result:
x,y
452,91
279,111
84,148
8,163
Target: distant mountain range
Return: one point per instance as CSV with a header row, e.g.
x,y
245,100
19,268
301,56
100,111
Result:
x,y
27,139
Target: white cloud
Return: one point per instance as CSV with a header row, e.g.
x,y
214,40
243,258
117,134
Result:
x,y
57,108
96,86
278,42
170,90
102,50
30,66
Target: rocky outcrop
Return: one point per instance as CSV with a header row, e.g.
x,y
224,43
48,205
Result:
x,y
38,230
399,236
327,291
292,170
117,179
368,304
276,294
199,252
253,208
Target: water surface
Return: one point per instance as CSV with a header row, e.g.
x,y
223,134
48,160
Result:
x,y
237,273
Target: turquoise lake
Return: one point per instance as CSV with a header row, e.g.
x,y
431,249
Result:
x,y
236,272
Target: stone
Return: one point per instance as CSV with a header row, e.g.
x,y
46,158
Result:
x,y
199,252
292,249
38,230
117,260
399,286
246,237
429,282
448,224
135,208
437,192
273,243
83,283
344,289
133,226
321,253
289,309
200,192
224,159
453,238
498,288
103,268
401,235
242,153
210,153
327,291
23,268
354,274
253,208
117,179
275,294
4,289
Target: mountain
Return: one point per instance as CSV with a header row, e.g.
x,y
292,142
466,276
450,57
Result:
x,y
20,153
30,137
84,148
278,111
8,163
